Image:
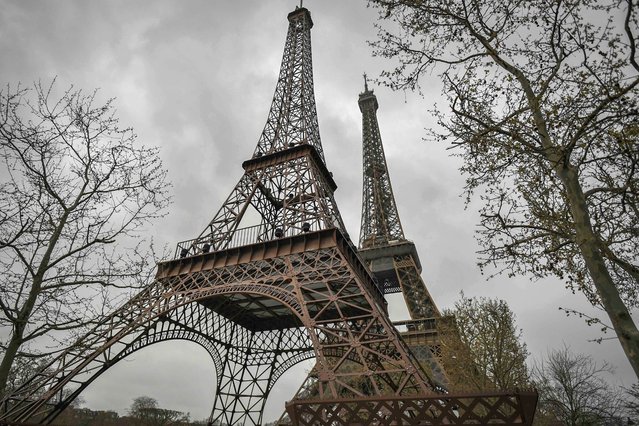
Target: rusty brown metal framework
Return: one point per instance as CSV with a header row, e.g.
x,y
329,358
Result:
x,y
260,297
273,280
498,408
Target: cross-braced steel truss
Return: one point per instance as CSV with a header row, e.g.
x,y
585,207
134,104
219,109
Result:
x,y
392,259
259,297
380,220
258,310
497,408
394,262
292,119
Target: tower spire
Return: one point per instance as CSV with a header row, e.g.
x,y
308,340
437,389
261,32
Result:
x,y
292,119
286,188
380,219
393,259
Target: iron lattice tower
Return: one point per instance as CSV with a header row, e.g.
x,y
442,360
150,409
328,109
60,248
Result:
x,y
272,280
394,262
392,258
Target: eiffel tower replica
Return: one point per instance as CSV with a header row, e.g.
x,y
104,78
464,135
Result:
x,y
273,280
392,258
260,297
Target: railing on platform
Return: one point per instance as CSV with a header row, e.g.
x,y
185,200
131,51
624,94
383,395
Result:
x,y
238,238
254,235
498,408
425,325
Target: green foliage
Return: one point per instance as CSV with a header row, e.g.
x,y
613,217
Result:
x,y
482,347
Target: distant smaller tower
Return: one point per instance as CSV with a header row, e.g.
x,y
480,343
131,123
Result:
x,y
392,258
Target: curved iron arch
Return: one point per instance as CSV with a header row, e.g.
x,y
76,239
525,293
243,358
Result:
x,y
132,317
135,346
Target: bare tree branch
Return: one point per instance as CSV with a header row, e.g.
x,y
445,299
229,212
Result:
x,y
77,184
543,110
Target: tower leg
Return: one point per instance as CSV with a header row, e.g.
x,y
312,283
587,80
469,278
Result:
x,y
190,322
313,283
251,367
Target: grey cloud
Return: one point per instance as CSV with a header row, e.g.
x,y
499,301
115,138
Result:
x,y
196,78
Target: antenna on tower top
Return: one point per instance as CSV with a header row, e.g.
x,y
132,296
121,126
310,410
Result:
x,y
301,4
365,83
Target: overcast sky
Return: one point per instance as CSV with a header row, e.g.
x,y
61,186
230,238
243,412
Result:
x,y
197,78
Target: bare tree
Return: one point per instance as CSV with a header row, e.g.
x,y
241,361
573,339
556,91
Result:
x,y
142,403
24,368
146,411
572,389
544,113
481,346
75,189
631,402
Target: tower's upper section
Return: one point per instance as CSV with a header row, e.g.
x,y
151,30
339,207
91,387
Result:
x,y
286,189
380,219
367,100
292,119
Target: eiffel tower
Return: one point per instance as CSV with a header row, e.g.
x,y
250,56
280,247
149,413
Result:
x,y
391,257
273,280
259,297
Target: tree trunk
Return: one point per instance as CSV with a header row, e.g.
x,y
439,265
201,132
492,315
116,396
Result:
x,y
17,334
588,243
9,356
26,311
586,239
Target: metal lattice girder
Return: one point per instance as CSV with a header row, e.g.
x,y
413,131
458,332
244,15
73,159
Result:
x,y
499,408
286,181
418,299
421,336
340,306
380,219
392,259
251,366
292,119
274,351
311,282
291,190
